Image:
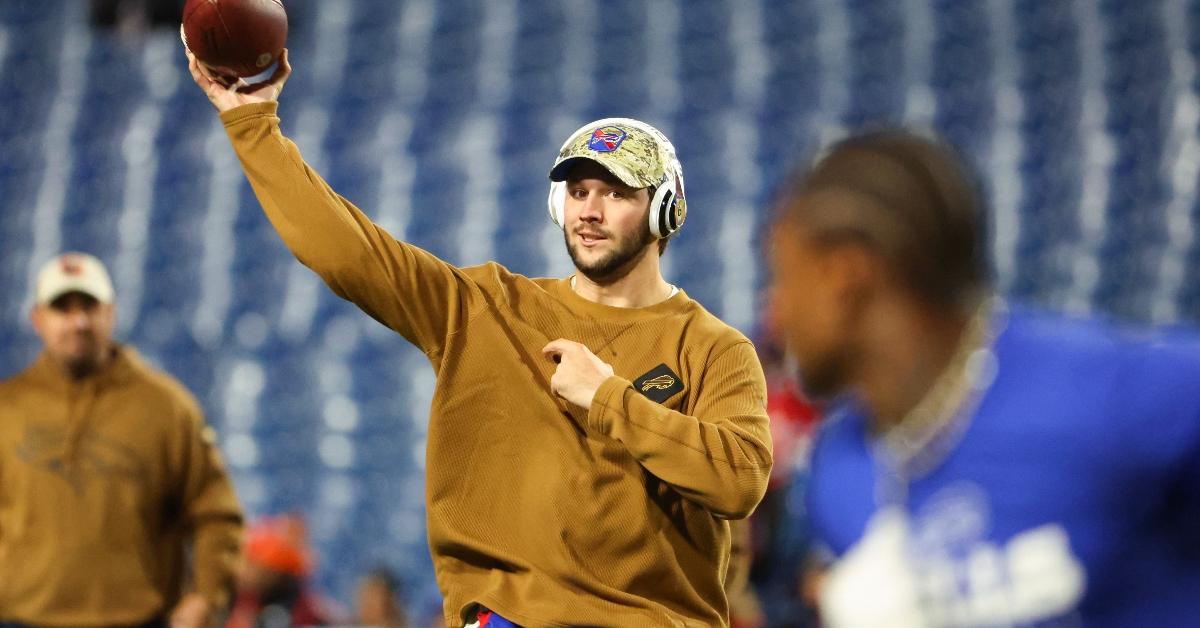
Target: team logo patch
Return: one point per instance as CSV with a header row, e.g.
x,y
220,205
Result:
x,y
71,265
659,383
606,139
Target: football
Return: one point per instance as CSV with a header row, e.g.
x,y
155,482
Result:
x,y
235,38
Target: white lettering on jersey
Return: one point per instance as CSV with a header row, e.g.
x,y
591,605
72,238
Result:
x,y
938,569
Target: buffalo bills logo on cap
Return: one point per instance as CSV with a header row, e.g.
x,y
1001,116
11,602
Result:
x,y
606,139
71,265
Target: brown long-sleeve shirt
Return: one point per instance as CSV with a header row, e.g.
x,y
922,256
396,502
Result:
x,y
102,484
545,513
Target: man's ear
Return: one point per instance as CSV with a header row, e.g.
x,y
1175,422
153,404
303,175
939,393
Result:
x,y
853,270
35,318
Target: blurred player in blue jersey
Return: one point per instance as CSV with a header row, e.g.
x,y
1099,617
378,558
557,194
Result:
x,y
991,465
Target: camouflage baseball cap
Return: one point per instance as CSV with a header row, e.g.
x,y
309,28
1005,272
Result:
x,y
635,152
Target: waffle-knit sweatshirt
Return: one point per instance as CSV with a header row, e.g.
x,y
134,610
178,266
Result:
x,y
546,513
103,484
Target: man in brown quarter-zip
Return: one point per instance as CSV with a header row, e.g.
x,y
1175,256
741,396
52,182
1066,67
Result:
x,y
590,436
107,475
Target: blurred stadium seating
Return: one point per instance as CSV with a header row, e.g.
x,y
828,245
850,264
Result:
x,y
440,118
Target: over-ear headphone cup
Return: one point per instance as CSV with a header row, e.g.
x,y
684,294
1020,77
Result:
x,y
668,210
662,210
556,202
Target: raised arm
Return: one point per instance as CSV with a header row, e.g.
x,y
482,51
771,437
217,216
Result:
x,y
402,286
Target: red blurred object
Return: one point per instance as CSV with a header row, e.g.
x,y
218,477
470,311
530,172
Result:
x,y
793,415
235,37
279,544
273,584
793,419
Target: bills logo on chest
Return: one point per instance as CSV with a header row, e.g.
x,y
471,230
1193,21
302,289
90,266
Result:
x,y
659,383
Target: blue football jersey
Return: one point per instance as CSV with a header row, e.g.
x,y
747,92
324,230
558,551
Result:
x,y
1070,497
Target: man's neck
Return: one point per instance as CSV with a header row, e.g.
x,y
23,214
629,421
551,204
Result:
x,y
643,286
81,370
907,351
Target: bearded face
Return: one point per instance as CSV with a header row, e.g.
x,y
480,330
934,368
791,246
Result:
x,y
607,229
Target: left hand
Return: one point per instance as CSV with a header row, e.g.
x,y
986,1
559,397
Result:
x,y
579,373
193,611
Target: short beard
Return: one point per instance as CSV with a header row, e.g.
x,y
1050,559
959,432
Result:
x,y
828,375
80,368
617,263
827,378
88,364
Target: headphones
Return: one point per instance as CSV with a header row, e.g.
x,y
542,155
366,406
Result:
x,y
667,212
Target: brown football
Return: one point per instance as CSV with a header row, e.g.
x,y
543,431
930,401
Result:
x,y
235,37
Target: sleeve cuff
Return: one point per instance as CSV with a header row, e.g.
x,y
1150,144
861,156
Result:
x,y
605,404
243,113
